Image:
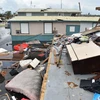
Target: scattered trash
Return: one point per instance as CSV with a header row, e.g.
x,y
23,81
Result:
x,y
3,72
72,85
13,98
91,85
1,65
96,96
24,99
2,50
13,72
34,63
18,47
25,63
4,97
1,78
67,73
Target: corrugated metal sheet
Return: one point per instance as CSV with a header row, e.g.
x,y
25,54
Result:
x,y
48,10
54,18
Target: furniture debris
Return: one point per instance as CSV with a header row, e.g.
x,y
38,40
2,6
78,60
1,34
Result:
x,y
28,83
25,63
84,55
91,85
34,63
57,51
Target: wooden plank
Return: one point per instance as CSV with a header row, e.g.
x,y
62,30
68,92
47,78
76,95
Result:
x,y
86,50
95,29
71,53
44,83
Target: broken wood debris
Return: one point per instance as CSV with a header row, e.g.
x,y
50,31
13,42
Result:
x,y
72,84
67,73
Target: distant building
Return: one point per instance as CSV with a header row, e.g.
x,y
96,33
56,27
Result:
x,y
27,27
47,12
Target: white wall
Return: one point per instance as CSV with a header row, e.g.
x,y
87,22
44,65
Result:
x,y
28,14
48,27
61,26
84,25
36,28
24,28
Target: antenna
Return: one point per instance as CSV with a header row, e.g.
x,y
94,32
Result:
x,y
61,4
31,4
79,6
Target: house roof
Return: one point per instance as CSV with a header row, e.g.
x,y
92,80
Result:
x,y
48,10
53,18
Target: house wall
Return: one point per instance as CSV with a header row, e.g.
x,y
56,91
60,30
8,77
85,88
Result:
x,y
48,14
21,14
61,26
37,14
84,25
14,27
35,28
38,27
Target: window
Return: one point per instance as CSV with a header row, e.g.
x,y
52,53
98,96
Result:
x,y
45,14
60,14
48,28
28,14
72,28
24,28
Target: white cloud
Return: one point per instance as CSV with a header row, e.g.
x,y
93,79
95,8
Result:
x,y
86,5
2,1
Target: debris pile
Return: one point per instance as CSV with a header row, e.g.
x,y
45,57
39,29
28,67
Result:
x,y
22,76
84,53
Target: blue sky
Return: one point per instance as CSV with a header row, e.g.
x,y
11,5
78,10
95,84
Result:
x,y
87,6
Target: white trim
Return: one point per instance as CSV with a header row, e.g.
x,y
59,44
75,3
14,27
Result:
x,y
24,28
28,14
48,27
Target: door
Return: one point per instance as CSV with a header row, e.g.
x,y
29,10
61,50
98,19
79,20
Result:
x,y
48,28
71,29
24,28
